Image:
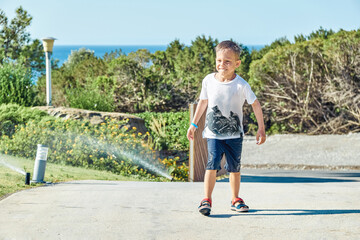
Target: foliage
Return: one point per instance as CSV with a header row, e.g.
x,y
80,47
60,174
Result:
x,y
245,58
168,130
15,42
15,84
80,71
78,56
179,172
311,86
12,115
163,81
302,85
281,42
110,146
321,33
191,65
130,83
97,96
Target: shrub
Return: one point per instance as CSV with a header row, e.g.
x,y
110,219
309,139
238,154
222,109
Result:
x,y
13,114
90,99
107,146
168,129
16,85
311,86
78,73
77,56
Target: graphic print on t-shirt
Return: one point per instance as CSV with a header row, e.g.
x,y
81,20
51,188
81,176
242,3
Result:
x,y
221,125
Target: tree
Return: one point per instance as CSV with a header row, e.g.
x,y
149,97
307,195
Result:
x,y
311,86
15,42
81,68
191,65
173,50
321,33
142,56
15,84
245,58
78,56
130,83
280,42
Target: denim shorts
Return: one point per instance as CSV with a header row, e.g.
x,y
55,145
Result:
x,y
232,149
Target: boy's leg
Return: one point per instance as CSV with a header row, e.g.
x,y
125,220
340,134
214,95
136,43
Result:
x,y
209,182
235,179
215,153
233,165
237,203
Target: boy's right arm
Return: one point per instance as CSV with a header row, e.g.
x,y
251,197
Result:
x,y
202,105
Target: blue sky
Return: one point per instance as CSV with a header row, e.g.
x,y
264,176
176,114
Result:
x,y
158,22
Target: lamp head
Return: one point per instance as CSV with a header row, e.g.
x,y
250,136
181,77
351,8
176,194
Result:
x,y
48,43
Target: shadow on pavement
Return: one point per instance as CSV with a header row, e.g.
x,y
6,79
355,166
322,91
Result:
x,y
289,212
287,179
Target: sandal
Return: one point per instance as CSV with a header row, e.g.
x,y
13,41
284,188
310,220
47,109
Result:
x,y
205,207
239,205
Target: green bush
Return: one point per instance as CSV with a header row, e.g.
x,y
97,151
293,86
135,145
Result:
x,y
78,144
13,114
109,146
79,73
16,85
311,86
168,129
90,99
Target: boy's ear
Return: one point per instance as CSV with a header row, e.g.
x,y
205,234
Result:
x,y
238,63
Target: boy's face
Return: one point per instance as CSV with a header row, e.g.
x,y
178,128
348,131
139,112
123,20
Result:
x,y
227,62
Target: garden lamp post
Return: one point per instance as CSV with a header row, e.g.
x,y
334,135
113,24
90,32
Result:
x,y
48,44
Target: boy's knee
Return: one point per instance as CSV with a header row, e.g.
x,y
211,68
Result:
x,y
209,171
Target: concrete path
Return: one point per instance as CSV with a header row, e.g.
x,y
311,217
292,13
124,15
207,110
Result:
x,y
284,205
298,151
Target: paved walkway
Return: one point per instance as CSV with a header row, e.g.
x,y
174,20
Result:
x,y
284,205
302,151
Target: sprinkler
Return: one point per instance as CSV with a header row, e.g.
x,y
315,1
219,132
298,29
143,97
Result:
x,y
26,174
27,178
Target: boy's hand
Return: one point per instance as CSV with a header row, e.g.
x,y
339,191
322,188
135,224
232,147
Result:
x,y
260,137
190,133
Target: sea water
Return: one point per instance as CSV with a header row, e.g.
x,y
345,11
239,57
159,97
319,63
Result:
x,y
62,52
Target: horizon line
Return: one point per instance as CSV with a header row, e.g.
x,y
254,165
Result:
x,y
75,44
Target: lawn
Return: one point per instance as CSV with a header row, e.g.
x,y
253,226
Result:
x,y
12,181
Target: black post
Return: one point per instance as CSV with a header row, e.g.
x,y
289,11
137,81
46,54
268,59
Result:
x,y
27,178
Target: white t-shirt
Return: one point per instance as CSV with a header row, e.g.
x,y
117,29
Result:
x,y
224,115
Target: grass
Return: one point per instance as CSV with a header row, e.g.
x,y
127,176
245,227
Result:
x,y
12,181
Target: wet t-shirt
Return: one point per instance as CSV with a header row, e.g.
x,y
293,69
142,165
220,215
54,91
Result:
x,y
224,115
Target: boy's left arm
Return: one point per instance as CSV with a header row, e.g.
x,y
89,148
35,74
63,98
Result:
x,y
260,136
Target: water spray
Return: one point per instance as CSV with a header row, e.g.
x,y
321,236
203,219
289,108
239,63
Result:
x,y
18,170
116,152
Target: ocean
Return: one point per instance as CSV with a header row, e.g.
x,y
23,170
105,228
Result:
x,y
62,52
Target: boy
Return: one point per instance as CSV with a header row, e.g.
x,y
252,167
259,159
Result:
x,y
223,94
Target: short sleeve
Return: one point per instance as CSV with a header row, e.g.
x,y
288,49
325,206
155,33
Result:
x,y
249,94
203,93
